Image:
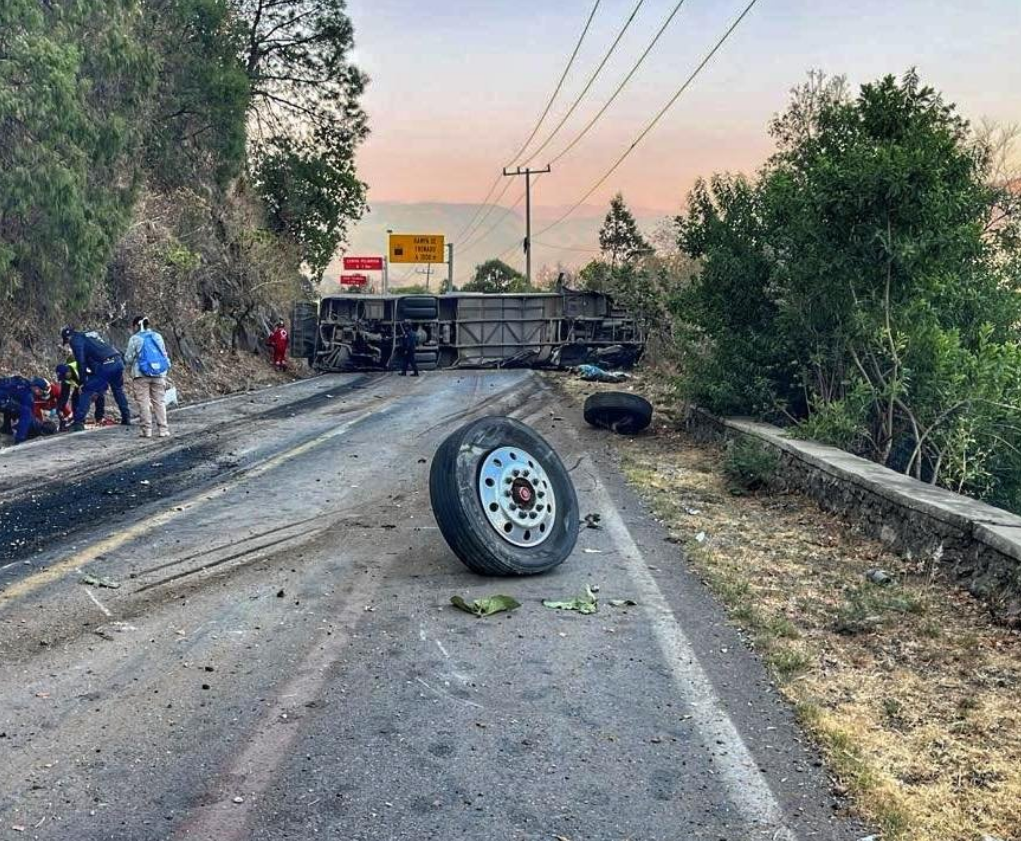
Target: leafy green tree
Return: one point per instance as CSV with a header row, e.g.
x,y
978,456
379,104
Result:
x,y
868,284
75,82
306,119
495,276
198,130
311,194
619,238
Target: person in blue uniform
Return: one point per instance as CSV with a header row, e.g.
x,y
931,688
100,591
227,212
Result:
x,y
409,344
105,367
71,392
17,403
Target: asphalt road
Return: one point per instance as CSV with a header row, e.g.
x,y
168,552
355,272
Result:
x,y
280,660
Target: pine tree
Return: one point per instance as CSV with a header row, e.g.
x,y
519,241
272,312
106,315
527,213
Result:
x,y
619,238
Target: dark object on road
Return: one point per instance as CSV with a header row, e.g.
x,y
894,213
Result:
x,y
503,499
618,411
592,521
557,329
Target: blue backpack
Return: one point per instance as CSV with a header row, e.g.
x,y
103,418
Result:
x,y
152,362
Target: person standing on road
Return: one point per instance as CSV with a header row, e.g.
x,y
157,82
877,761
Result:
x,y
105,367
409,344
278,341
148,364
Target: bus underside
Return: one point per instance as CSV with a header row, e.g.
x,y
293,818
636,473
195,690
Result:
x,y
543,330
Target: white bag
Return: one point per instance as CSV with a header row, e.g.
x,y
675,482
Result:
x,y
170,395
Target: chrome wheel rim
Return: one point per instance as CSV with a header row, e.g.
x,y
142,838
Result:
x,y
517,496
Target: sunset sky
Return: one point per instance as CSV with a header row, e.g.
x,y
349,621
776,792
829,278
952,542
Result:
x,y
457,86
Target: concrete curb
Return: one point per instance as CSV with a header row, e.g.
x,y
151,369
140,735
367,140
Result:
x,y
977,543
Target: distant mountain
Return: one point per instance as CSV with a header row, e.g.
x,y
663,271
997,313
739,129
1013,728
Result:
x,y
573,243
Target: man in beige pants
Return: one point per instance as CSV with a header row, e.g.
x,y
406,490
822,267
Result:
x,y
149,386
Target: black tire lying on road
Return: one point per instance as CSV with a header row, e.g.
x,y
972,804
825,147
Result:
x,y
503,499
618,411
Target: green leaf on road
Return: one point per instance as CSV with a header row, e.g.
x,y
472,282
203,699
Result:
x,y
585,604
486,606
95,581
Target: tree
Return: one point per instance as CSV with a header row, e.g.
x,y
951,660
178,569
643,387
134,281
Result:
x,y
495,276
619,238
198,129
75,81
860,286
307,121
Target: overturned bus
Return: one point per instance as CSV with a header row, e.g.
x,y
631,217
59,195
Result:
x,y
554,329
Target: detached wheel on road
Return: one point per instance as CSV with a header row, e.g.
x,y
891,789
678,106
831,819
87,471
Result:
x,y
503,499
618,411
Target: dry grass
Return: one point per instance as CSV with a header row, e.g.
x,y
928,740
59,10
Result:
x,y
914,695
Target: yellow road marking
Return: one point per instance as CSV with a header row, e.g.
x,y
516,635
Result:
x,y
102,547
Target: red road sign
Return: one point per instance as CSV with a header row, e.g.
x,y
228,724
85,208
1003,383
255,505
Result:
x,y
353,280
363,264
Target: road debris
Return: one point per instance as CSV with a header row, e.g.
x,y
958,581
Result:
x,y
486,606
585,604
879,576
593,373
100,581
622,603
588,551
592,521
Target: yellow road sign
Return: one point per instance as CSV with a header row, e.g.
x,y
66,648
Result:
x,y
417,248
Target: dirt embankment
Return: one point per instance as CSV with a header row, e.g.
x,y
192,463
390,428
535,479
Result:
x,y
908,686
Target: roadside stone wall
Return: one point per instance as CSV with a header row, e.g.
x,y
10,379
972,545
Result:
x,y
976,544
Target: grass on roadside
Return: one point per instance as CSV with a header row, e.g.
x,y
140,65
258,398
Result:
x,y
907,686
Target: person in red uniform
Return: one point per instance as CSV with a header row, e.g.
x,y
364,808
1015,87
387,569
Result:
x,y
278,341
47,397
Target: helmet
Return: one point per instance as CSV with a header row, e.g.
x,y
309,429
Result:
x,y
42,385
65,335
62,371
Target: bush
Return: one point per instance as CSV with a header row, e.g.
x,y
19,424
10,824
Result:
x,y
749,464
866,288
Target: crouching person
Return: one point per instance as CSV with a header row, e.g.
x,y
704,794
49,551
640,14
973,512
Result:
x,y
17,404
148,364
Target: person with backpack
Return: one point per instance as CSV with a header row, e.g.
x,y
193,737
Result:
x,y
148,364
105,367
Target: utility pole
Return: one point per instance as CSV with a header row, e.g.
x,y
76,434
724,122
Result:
x,y
528,173
450,267
428,271
386,262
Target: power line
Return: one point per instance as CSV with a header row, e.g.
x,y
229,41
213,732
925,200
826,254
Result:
x,y
560,84
588,84
655,120
471,238
535,130
620,87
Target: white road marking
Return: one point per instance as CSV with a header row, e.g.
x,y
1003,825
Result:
x,y
448,696
98,603
746,787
